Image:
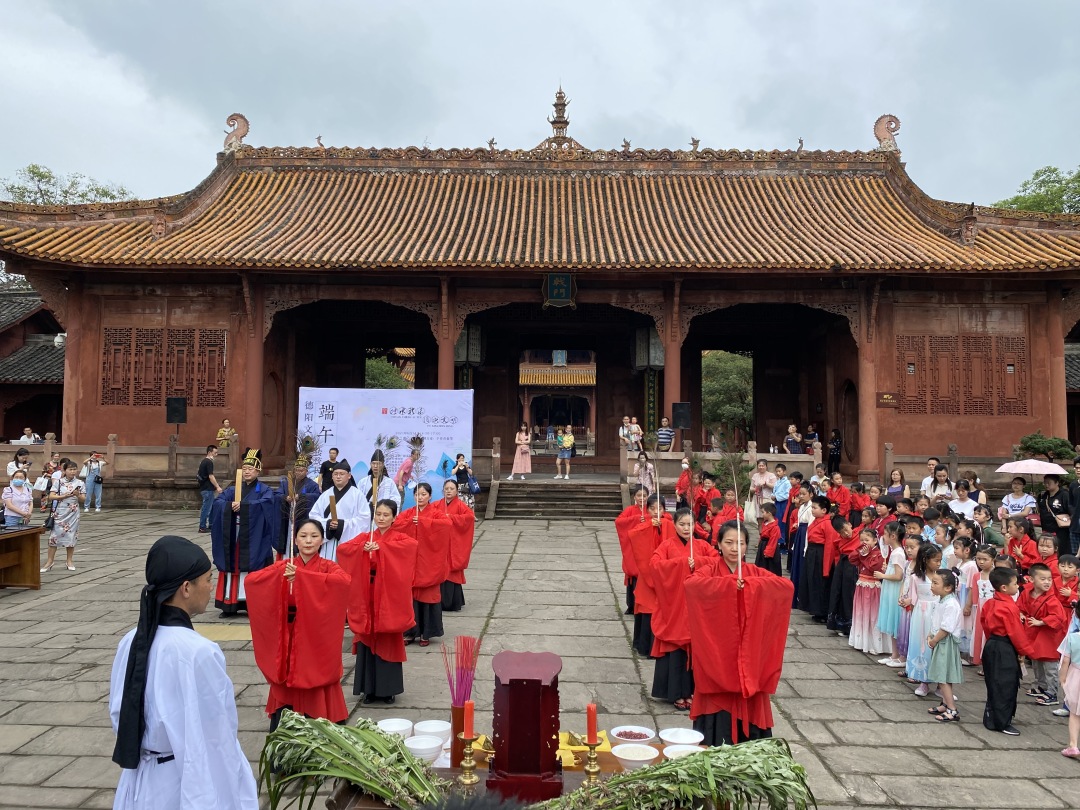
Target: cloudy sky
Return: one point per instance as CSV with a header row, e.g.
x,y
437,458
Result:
x,y
137,91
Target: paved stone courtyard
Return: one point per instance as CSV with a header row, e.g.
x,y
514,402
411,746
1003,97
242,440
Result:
x,y
533,585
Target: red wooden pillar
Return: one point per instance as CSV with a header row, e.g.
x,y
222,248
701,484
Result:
x,y
252,433
1055,336
869,469
673,340
75,325
447,336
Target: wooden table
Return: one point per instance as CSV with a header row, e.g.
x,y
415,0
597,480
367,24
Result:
x,y
20,558
347,797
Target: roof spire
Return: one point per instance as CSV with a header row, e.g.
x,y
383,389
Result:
x,y
560,122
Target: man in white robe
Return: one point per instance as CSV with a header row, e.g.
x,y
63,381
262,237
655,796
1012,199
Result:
x,y
386,488
171,701
353,515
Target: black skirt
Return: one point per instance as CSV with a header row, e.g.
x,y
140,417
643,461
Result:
x,y
630,596
453,597
717,730
375,677
842,595
813,587
643,635
672,678
429,622
1002,678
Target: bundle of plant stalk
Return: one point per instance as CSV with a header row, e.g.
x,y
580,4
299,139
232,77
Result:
x,y
303,753
759,773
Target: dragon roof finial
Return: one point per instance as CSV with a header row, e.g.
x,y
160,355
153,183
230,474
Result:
x,y
234,138
884,129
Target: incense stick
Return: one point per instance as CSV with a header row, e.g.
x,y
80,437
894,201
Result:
x,y
738,520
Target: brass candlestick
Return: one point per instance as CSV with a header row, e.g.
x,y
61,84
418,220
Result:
x,y
468,776
592,767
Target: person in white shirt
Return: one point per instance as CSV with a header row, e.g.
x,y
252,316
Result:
x,y
171,701
927,482
962,504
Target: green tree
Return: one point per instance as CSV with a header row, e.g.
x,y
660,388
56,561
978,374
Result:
x,y
1050,190
1052,447
40,185
381,373
727,391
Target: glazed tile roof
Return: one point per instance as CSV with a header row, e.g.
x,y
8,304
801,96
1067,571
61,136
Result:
x,y
561,376
412,208
16,308
39,362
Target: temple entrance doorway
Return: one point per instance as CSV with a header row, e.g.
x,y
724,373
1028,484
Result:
x,y
559,366
340,344
805,370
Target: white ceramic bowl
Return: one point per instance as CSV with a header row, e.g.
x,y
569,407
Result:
x,y
433,728
614,737
680,736
634,755
676,751
426,748
396,725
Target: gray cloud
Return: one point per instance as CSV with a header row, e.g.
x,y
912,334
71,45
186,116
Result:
x,y
136,91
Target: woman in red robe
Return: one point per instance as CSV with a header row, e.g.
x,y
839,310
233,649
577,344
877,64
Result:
x,y
296,607
645,538
671,564
431,531
463,523
738,622
381,563
631,517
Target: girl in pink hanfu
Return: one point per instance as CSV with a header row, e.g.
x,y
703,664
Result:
x,y
868,561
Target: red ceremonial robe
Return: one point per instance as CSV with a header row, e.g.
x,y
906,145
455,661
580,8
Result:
x,y
301,659
1045,607
670,567
860,502
738,637
841,496
729,511
879,524
1000,616
821,532
431,531
1069,599
769,534
380,600
630,517
682,486
644,540
462,526
1024,551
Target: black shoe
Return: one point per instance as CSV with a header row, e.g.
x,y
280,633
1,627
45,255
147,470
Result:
x,y
1011,730
204,531
389,700
368,700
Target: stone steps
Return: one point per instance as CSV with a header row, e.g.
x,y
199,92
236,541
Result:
x,y
549,499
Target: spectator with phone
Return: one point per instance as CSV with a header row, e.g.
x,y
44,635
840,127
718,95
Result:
x,y
91,473
21,461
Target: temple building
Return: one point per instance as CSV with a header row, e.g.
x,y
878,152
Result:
x,y
867,306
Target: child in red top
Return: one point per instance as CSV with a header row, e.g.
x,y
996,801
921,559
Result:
x,y
703,497
728,509
839,495
768,555
869,564
885,508
1049,557
859,500
1005,638
1067,590
1020,543
1046,622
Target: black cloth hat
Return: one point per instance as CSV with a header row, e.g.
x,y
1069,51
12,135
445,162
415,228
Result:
x,y
172,561
341,465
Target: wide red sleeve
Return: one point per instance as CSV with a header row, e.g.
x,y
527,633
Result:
x,y
432,535
771,536
738,636
627,520
321,590
390,608
643,542
1030,553
832,547
463,522
267,593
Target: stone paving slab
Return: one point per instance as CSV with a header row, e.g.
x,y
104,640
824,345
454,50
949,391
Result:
x,y
864,739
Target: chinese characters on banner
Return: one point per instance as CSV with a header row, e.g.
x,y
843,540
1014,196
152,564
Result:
x,y
359,421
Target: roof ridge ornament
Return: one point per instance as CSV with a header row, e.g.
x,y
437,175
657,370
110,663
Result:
x,y
884,129
559,124
234,138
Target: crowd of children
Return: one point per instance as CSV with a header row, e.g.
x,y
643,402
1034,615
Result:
x,y
927,580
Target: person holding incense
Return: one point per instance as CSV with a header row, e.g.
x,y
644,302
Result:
x,y
672,563
295,607
431,531
737,661
381,563
377,486
244,523
645,538
630,517
296,488
462,525
340,510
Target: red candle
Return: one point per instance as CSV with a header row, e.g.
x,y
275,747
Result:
x,y
470,706
590,714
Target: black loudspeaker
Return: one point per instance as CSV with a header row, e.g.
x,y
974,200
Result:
x,y
176,410
680,415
